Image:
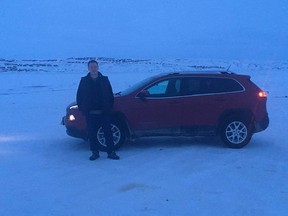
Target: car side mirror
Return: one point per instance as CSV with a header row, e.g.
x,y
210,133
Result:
x,y
143,94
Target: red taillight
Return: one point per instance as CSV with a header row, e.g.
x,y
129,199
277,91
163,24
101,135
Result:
x,y
262,94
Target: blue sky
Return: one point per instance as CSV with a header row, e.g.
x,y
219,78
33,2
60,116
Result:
x,y
227,29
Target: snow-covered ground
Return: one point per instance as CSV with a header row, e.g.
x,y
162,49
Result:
x,y
45,172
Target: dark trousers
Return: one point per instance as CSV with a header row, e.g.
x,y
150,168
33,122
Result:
x,y
94,121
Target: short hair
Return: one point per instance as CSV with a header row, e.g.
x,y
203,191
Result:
x,y
92,61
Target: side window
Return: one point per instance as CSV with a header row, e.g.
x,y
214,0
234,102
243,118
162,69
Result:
x,y
206,85
230,85
158,89
165,88
192,86
221,85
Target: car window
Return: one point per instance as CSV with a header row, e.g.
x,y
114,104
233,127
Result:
x,y
165,88
158,88
137,85
205,85
194,86
220,85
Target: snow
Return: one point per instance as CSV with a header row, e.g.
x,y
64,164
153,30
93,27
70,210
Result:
x,y
45,172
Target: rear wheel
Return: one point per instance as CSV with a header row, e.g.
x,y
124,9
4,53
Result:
x,y
118,136
236,132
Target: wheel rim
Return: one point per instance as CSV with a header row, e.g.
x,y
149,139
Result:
x,y
236,132
115,132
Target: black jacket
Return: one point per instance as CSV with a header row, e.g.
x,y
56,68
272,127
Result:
x,y
95,94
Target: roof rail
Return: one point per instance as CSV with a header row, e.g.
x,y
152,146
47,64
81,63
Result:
x,y
227,72
201,72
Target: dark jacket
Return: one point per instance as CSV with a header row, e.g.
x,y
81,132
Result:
x,y
95,94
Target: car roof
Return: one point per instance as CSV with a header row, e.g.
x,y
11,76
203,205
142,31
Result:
x,y
208,72
215,74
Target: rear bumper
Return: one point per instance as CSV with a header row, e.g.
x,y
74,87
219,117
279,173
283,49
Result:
x,y
262,124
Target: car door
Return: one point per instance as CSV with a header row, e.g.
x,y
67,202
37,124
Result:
x,y
160,110
202,105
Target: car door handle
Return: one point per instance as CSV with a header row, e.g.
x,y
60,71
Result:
x,y
221,100
173,102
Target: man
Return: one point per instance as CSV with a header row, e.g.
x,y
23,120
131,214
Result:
x,y
95,100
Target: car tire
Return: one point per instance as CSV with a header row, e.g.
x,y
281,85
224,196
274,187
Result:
x,y
236,132
118,137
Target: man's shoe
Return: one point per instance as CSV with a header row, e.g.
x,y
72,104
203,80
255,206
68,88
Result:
x,y
94,156
113,156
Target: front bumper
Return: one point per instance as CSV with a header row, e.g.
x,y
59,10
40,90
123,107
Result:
x,y
74,131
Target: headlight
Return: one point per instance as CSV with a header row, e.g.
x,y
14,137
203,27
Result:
x,y
71,118
73,107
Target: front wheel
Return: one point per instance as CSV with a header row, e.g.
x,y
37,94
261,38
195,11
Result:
x,y
118,137
236,132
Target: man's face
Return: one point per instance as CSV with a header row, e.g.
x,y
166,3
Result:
x,y
93,69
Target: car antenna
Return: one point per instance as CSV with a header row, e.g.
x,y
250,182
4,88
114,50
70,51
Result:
x,y
228,68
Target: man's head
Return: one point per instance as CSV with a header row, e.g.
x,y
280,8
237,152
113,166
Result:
x,y
93,68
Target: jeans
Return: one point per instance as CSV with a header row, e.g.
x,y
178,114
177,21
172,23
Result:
x,y
94,122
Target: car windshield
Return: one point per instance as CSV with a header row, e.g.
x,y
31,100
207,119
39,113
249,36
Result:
x,y
137,85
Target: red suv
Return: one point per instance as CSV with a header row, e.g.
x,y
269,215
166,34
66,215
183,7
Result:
x,y
183,104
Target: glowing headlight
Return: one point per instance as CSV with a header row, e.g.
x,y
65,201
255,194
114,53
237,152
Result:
x,y
71,117
74,107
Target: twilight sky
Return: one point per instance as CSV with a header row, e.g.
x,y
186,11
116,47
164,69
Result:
x,y
229,29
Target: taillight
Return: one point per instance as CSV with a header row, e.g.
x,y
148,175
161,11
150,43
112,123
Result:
x,y
262,94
